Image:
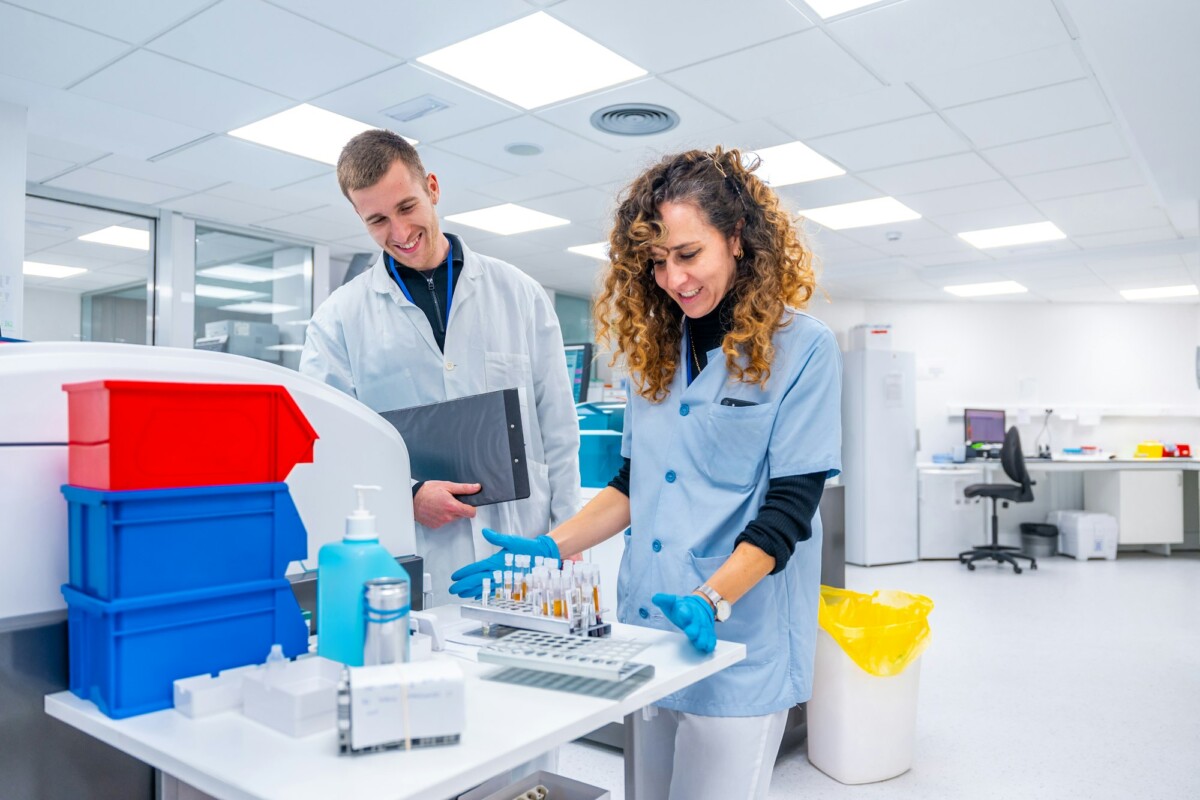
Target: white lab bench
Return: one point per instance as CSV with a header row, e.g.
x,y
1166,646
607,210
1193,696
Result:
x,y
233,758
1146,495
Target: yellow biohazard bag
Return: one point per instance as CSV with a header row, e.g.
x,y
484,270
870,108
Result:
x,y
882,632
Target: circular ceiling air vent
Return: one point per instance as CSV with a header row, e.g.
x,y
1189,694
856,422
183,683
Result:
x,y
634,119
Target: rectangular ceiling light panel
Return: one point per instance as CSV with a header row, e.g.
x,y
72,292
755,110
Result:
x,y
223,292
1161,292
508,219
247,273
831,8
255,307
40,270
862,214
119,236
533,62
596,250
1013,235
306,131
986,289
795,162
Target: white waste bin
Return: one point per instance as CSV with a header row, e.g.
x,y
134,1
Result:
x,y
861,727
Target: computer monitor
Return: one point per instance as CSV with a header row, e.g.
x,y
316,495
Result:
x,y
579,369
983,426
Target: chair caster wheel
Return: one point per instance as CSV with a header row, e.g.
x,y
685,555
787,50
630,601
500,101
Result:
x,y
971,567
1033,566
1017,570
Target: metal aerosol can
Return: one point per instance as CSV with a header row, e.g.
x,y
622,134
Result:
x,y
386,604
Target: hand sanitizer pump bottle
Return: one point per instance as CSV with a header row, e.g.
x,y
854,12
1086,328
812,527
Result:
x,y
342,569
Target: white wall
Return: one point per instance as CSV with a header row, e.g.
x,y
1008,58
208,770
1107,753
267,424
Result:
x,y
51,316
1003,354
12,219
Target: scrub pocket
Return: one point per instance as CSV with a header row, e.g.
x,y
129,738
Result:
x,y
757,620
736,444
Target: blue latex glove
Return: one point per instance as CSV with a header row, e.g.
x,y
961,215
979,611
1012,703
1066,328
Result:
x,y
469,579
692,615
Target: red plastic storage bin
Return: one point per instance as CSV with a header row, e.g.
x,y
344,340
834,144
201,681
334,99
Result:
x,y
148,435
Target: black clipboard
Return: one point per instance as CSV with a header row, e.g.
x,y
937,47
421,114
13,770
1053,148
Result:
x,y
473,439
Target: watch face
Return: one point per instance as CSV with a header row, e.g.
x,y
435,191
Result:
x,y
723,610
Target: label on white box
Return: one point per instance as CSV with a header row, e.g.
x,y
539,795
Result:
x,y
398,703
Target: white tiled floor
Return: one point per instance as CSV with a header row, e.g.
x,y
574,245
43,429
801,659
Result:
x,y
1079,680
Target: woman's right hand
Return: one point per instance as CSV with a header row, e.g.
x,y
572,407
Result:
x,y
468,580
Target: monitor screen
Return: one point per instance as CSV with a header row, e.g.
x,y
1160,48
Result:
x,y
579,368
983,426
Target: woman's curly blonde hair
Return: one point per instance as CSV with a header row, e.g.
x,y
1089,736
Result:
x,y
640,322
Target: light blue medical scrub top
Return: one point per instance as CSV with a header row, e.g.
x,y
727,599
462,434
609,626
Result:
x,y
699,475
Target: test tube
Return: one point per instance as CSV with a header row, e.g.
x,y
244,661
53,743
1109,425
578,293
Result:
x,y
557,596
487,590
595,575
508,585
539,561
498,583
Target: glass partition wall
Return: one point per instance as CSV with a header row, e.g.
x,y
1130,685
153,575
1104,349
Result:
x,y
253,295
88,273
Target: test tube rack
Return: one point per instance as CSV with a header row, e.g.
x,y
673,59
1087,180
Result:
x,y
517,615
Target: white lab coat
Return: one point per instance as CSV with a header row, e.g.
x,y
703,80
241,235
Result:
x,y
372,343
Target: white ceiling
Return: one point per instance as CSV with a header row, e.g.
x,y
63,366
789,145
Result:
x,y
975,113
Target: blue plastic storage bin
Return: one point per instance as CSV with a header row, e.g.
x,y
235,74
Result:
x,y
126,654
599,457
152,541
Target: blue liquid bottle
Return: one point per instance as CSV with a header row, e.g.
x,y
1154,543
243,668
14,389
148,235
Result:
x,y
342,569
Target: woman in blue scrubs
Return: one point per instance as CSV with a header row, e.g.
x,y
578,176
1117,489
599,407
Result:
x,y
732,427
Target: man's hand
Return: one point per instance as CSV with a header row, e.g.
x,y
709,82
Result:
x,y
435,503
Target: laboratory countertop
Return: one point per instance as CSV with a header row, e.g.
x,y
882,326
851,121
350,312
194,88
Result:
x,y
1085,464
234,758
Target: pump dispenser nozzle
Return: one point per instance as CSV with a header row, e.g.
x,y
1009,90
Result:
x,y
360,524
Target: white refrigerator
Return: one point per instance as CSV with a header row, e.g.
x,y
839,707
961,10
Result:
x,y
879,456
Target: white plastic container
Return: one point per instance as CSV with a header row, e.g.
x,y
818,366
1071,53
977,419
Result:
x,y
871,337
204,695
297,698
861,727
1085,534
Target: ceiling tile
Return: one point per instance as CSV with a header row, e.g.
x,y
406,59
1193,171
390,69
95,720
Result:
x,y
221,209
121,187
603,168
158,172
1086,294
1047,274
934,173
585,205
271,48
525,187
951,257
668,34
279,199
311,226
1103,212
486,145
1098,240
1122,264
869,108
891,143
1087,179
1019,214
50,52
410,28
992,194
367,99
826,192
318,191
953,34
107,128
775,66
1043,67
1032,114
1072,149
128,20
64,151
1148,279
837,258
456,172
164,87
38,168
695,118
231,159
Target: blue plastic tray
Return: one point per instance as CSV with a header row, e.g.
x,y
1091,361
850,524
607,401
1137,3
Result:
x,y
126,654
599,457
147,542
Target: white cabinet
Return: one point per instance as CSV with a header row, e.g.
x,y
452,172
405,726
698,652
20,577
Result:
x,y
949,523
1148,505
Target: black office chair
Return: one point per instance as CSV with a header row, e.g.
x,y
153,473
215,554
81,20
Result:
x,y
1013,462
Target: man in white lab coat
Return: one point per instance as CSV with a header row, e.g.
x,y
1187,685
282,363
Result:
x,y
432,320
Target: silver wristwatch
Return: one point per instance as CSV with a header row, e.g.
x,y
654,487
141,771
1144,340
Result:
x,y
720,604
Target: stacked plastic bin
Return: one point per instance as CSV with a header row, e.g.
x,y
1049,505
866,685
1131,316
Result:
x,y
181,531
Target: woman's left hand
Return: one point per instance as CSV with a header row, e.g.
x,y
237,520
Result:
x,y
692,615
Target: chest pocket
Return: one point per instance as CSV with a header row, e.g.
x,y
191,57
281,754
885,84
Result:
x,y
736,444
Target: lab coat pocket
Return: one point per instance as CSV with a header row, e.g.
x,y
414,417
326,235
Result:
x,y
755,621
736,444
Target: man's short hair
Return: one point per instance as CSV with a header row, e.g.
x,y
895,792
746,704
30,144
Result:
x,y
368,156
